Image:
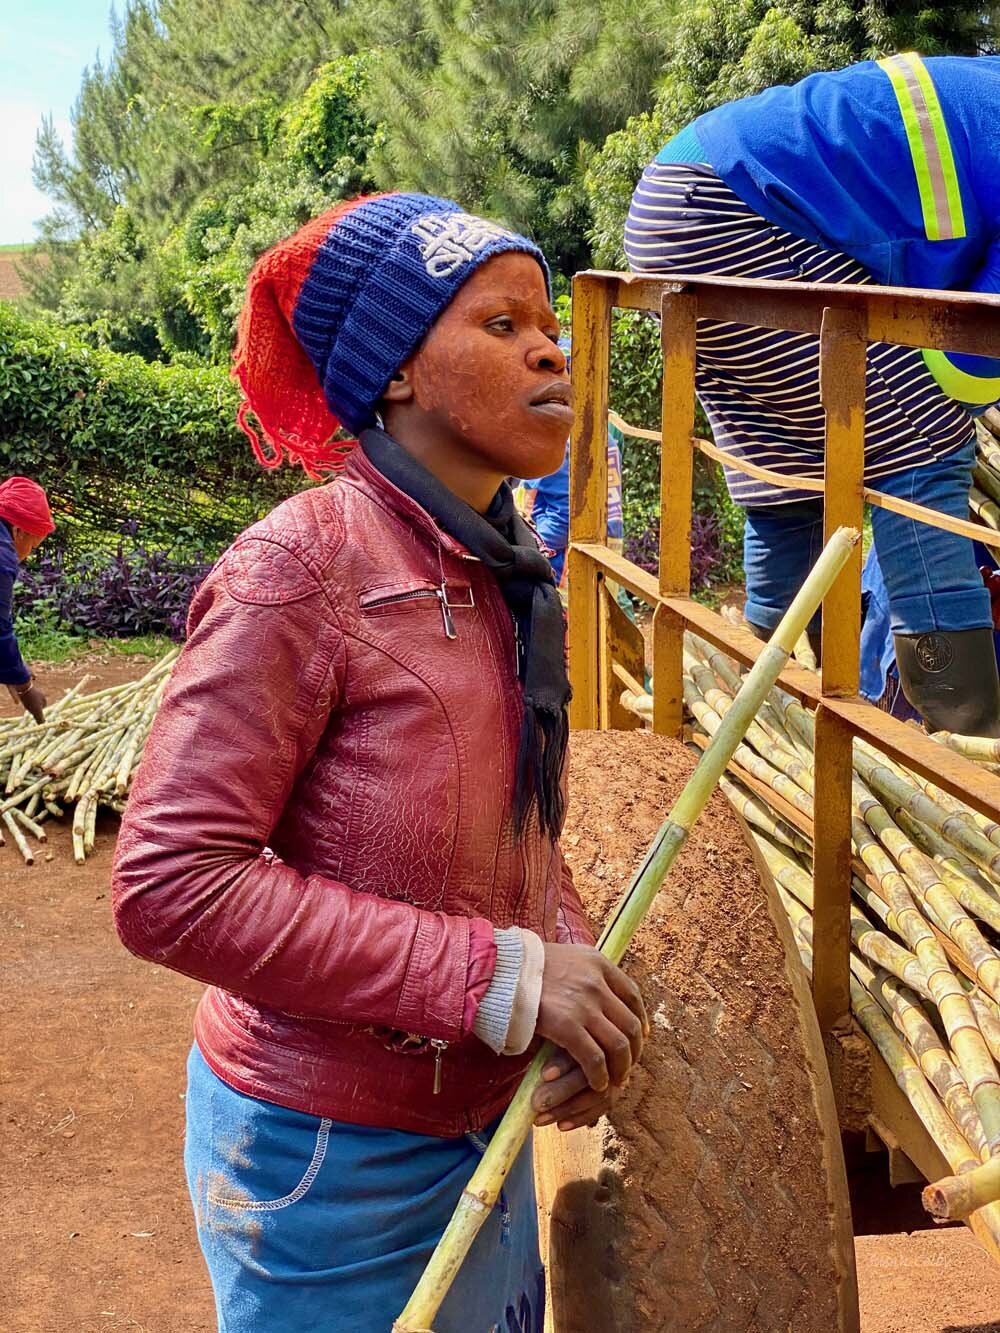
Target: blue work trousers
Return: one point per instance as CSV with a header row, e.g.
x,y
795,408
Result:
x,y
931,576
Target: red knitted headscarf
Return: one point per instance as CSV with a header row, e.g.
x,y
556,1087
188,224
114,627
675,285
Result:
x,y
279,382
25,505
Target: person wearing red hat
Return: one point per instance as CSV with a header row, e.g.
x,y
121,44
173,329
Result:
x,y
25,521
347,820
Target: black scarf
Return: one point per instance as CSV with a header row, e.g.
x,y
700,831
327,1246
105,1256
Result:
x,y
507,547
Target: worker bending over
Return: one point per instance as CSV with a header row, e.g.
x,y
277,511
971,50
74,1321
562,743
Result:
x,y
883,172
25,521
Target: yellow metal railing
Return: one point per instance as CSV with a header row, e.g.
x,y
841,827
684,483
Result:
x,y
844,319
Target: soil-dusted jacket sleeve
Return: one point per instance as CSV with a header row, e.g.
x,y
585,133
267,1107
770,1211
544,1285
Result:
x,y
12,668
573,926
193,889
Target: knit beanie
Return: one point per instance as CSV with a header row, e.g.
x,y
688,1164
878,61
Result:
x,y
25,505
333,311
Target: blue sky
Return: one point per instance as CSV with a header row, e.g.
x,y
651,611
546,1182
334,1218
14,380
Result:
x,y
45,46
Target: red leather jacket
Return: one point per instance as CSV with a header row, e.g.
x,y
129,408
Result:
x,y
321,822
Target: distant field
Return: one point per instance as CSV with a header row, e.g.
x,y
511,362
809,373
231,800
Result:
x,y
11,283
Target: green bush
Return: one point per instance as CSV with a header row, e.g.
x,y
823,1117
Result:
x,y
121,443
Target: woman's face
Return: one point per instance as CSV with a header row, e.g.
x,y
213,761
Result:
x,y
24,542
490,377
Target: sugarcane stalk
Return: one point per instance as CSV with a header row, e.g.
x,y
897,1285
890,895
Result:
x,y
755,812
804,654
903,1065
79,830
941,906
958,876
20,797
30,824
984,508
90,827
640,704
972,1054
793,881
956,1197
988,1020
988,827
19,839
987,481
730,680
754,763
914,1084
935,1062
484,1187
898,794
784,758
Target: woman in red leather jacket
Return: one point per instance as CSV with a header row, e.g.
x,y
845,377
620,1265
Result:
x,y
347,819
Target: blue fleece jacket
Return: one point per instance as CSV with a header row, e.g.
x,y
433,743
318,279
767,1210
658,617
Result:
x,y
12,668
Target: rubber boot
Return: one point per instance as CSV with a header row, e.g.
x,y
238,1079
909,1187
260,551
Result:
x,y
951,679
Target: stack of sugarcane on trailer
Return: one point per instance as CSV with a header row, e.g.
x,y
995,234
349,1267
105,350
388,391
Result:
x,y
82,756
925,915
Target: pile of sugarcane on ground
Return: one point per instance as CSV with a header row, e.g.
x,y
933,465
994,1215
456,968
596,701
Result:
x,y
984,498
925,915
83,755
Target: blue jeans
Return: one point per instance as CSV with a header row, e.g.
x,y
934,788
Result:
x,y
310,1225
931,577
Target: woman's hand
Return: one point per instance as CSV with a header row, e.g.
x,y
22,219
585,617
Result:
x,y
593,1011
567,1098
31,699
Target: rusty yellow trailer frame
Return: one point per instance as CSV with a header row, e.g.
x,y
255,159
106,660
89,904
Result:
x,y
844,319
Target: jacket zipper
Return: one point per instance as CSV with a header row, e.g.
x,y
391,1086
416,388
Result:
x,y
413,1043
438,1047
440,593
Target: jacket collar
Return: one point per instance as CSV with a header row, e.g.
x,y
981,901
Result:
x,y
360,470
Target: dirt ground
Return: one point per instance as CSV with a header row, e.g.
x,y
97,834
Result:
x,y
11,283
95,1227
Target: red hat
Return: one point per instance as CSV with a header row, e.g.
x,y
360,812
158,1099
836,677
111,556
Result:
x,y
25,505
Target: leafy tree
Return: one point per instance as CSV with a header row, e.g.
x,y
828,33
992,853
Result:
x,y
155,230
501,105
216,126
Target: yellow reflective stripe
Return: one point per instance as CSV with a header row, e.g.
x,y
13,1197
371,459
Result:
x,y
976,389
930,149
939,126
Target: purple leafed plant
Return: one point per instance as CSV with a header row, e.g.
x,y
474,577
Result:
x,y
706,549
130,592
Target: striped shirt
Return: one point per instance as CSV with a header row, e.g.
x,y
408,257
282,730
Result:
x,y
760,387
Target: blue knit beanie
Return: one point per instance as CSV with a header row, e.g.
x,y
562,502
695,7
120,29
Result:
x,y
334,311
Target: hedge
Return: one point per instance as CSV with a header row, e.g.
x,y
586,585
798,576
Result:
x,y
120,442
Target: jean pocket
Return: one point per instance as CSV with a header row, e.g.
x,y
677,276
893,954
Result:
x,y
236,1186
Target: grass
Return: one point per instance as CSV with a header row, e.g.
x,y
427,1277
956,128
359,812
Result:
x,y
42,642
16,247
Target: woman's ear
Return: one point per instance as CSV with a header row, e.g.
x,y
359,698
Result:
x,y
400,387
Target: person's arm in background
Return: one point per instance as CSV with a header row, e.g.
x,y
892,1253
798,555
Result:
x,y
13,671
973,381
